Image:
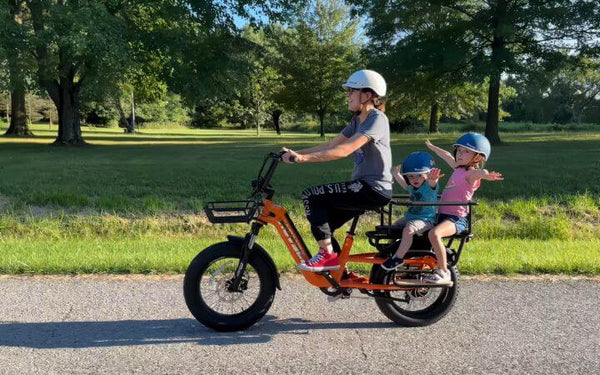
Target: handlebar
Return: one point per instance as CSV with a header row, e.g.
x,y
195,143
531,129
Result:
x,y
262,183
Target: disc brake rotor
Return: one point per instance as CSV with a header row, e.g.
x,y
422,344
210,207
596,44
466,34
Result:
x,y
412,294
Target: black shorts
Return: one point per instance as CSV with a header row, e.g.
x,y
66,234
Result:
x,y
329,206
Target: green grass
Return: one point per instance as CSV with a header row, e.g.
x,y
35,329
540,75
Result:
x,y
133,203
172,255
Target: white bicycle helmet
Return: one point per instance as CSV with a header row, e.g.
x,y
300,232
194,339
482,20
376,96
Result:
x,y
367,79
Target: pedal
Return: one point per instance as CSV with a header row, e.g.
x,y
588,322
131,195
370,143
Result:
x,y
327,275
343,294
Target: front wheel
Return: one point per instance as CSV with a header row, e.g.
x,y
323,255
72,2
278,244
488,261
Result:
x,y
207,292
415,307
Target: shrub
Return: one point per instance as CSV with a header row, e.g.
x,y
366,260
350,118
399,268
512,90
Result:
x,y
473,127
408,125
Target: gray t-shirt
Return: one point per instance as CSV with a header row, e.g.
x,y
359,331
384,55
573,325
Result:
x,y
373,161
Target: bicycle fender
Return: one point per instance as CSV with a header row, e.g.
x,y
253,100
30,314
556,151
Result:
x,y
261,252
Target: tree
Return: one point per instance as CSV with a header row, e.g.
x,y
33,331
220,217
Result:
x,y
319,53
574,90
262,84
457,101
4,74
487,38
560,96
417,88
15,45
75,42
80,43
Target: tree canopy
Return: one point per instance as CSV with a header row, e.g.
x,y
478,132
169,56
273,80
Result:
x,y
478,39
319,53
247,62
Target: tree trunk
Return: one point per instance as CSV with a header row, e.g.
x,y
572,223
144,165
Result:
x,y
433,117
123,123
132,128
17,73
491,123
8,108
69,125
257,111
276,115
498,46
18,121
321,116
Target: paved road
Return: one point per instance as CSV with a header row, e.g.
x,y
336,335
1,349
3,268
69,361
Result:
x,y
141,325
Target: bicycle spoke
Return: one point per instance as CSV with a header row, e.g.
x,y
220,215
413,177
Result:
x,y
215,290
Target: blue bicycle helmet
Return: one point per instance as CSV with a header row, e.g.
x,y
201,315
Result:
x,y
417,163
476,143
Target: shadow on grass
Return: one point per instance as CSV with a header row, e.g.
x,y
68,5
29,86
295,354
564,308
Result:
x,y
56,335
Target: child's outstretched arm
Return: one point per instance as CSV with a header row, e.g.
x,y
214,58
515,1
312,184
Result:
x,y
445,155
397,173
483,174
434,175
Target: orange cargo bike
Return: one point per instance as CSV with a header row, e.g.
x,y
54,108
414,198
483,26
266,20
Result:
x,y
231,285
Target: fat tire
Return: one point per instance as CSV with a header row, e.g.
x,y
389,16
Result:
x,y
432,314
224,322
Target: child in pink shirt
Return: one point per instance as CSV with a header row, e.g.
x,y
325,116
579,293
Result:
x,y
470,152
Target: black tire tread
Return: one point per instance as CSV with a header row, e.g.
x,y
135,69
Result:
x,y
221,322
443,307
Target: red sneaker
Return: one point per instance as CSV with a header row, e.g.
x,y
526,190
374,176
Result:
x,y
322,261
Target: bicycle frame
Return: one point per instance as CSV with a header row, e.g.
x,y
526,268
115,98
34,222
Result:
x,y
279,218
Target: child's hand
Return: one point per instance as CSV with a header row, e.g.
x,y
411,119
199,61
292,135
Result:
x,y
428,144
493,176
435,174
397,173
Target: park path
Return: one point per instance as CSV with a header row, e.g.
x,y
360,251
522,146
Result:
x,y
140,324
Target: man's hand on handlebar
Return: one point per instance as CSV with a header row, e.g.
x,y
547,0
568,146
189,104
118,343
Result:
x,y
290,156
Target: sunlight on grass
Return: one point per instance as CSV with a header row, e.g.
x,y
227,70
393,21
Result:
x,y
134,203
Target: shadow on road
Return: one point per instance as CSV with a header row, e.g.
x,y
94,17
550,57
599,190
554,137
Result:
x,y
54,335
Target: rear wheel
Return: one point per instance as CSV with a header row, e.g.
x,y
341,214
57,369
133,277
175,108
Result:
x,y
414,307
210,298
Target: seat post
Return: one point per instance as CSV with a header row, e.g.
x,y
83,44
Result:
x,y
469,218
353,225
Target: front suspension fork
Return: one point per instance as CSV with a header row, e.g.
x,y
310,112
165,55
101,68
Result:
x,y
247,248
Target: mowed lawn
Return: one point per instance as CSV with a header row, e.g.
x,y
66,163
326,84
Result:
x,y
133,203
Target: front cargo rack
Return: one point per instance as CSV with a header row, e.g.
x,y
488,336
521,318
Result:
x,y
230,211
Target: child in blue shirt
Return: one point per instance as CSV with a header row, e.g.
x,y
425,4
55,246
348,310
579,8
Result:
x,y
419,177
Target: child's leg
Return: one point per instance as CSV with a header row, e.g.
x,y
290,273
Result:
x,y
444,229
407,239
